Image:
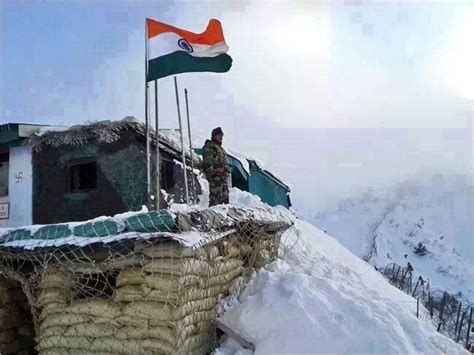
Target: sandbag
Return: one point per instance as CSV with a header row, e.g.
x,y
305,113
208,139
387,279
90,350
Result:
x,y
222,279
98,308
171,249
52,308
184,296
130,293
62,351
130,277
54,231
196,341
63,319
225,266
172,283
70,342
51,331
54,295
126,320
158,332
178,267
92,330
161,221
157,345
116,346
56,278
194,318
149,310
190,307
104,228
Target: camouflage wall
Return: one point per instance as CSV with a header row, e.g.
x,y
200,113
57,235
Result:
x,y
121,180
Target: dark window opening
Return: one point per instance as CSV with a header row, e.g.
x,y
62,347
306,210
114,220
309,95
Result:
x,y
83,176
167,179
4,167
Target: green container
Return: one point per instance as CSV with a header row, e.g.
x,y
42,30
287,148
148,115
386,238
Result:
x,y
16,234
161,221
54,231
97,229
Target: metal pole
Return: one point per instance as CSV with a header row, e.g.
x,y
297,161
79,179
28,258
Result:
x,y
183,154
190,145
147,123
416,286
417,306
158,167
468,329
457,319
441,312
460,326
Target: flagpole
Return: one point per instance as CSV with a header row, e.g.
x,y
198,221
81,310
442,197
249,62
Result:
x,y
158,167
147,123
190,144
183,154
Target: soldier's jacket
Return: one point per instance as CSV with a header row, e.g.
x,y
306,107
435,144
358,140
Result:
x,y
214,156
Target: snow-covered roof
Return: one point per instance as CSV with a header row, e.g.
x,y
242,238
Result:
x,y
103,132
195,225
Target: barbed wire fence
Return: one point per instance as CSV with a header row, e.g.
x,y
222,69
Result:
x,y
155,287
452,314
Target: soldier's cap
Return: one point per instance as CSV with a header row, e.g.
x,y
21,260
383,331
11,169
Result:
x,y
217,131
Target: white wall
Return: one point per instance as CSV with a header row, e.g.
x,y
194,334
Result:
x,y
20,189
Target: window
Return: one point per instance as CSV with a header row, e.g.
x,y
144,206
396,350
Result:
x,y
166,176
4,162
83,176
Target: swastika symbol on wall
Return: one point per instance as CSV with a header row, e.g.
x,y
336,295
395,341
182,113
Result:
x,y
19,177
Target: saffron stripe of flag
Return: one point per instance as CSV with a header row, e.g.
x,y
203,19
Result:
x,y
173,50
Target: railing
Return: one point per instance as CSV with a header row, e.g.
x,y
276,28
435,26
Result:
x,y
452,314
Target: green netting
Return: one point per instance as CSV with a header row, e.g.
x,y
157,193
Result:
x,y
16,234
97,229
54,231
161,221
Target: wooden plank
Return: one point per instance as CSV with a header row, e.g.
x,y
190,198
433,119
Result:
x,y
238,338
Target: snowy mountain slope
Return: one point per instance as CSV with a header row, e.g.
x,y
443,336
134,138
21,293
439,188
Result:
x,y
321,298
385,226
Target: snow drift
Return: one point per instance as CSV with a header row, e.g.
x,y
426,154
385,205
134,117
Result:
x,y
321,298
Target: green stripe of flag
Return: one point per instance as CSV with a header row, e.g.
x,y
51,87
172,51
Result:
x,y
182,62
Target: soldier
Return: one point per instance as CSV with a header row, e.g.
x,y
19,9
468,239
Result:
x,y
216,168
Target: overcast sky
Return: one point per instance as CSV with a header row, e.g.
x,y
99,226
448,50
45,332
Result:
x,y
332,96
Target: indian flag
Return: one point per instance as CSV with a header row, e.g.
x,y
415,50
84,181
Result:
x,y
172,50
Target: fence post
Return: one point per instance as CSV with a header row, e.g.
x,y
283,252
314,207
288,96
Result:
x,y
468,329
441,311
430,306
460,327
417,306
457,319
416,286
395,279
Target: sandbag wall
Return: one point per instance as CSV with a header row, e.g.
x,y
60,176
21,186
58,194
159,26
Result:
x,y
16,324
167,304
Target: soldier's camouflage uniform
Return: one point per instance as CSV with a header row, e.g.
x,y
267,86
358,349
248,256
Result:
x,y
214,156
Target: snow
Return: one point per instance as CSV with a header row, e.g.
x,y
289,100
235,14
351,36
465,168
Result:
x,y
47,129
249,203
320,298
241,158
438,212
